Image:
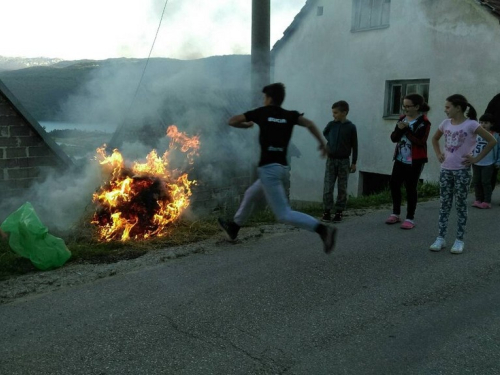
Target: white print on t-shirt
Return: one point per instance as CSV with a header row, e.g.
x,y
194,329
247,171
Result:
x,y
404,146
454,140
278,120
480,145
272,148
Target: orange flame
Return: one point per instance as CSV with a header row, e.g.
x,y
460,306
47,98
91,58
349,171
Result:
x,y
139,201
189,145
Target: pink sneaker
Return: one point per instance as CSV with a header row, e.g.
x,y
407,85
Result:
x,y
393,219
485,205
407,224
476,204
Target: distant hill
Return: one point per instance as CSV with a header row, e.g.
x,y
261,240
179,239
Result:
x,y
14,63
41,89
50,89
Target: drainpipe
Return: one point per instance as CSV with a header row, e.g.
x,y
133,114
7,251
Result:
x,y
261,45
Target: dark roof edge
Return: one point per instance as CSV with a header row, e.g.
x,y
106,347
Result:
x,y
36,126
492,5
293,26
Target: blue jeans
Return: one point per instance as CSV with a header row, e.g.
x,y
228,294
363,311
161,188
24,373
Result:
x,y
271,185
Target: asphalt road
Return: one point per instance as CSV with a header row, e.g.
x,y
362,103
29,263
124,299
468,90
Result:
x,y
382,303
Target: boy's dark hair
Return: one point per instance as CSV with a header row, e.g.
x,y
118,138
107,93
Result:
x,y
276,91
419,100
342,105
461,101
487,117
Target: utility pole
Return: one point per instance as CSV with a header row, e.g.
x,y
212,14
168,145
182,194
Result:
x,y
261,45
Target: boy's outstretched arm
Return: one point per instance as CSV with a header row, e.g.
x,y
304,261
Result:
x,y
315,132
240,121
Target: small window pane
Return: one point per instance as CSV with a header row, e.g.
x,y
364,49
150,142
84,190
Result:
x,y
396,90
377,8
424,91
386,10
411,89
370,14
396,99
365,17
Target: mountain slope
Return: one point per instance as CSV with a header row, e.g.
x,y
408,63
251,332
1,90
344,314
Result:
x,y
51,92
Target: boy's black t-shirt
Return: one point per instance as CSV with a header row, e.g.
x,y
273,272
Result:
x,y
276,125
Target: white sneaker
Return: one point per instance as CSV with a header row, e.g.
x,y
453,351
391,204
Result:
x,y
438,244
458,247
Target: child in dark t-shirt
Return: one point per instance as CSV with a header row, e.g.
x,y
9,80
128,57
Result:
x,y
276,125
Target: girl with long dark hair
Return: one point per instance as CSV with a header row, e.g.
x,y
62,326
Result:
x,y
459,130
410,135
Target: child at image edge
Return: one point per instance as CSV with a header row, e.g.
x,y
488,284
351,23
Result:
x,y
483,171
459,141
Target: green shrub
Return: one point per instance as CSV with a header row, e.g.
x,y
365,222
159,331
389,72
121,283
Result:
x,y
428,190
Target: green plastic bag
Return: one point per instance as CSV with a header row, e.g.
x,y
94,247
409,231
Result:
x,y
31,239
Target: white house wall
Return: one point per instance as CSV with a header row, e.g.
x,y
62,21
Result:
x,y
453,43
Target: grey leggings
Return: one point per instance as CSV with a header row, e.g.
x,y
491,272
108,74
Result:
x,y
454,183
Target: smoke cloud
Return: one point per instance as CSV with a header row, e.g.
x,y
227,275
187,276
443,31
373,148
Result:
x,y
197,96
142,101
60,200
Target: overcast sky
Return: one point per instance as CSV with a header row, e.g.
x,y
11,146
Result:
x,y
99,29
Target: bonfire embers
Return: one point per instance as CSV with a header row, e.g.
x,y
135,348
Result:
x,y
138,202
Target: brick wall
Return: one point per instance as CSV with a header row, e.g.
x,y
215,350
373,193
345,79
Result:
x,y
24,154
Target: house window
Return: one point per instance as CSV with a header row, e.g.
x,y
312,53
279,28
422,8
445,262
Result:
x,y
370,14
395,91
319,11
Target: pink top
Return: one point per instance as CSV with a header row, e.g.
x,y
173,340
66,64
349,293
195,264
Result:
x,y
459,141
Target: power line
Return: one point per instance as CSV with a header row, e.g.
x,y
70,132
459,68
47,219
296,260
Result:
x,y
117,131
150,51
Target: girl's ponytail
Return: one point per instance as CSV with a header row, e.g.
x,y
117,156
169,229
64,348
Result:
x,y
461,101
471,112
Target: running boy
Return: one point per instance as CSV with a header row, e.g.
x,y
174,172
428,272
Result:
x,y
275,130
342,139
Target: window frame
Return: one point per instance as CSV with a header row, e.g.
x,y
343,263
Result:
x,y
358,6
422,88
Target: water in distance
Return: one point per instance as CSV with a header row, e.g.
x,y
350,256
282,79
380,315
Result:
x,y
55,125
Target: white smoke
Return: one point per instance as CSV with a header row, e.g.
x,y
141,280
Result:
x,y
197,96
60,200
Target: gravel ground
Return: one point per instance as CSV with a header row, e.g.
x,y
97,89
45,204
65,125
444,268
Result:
x,y
75,274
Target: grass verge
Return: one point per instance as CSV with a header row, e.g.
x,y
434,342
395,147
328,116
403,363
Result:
x,y
85,248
